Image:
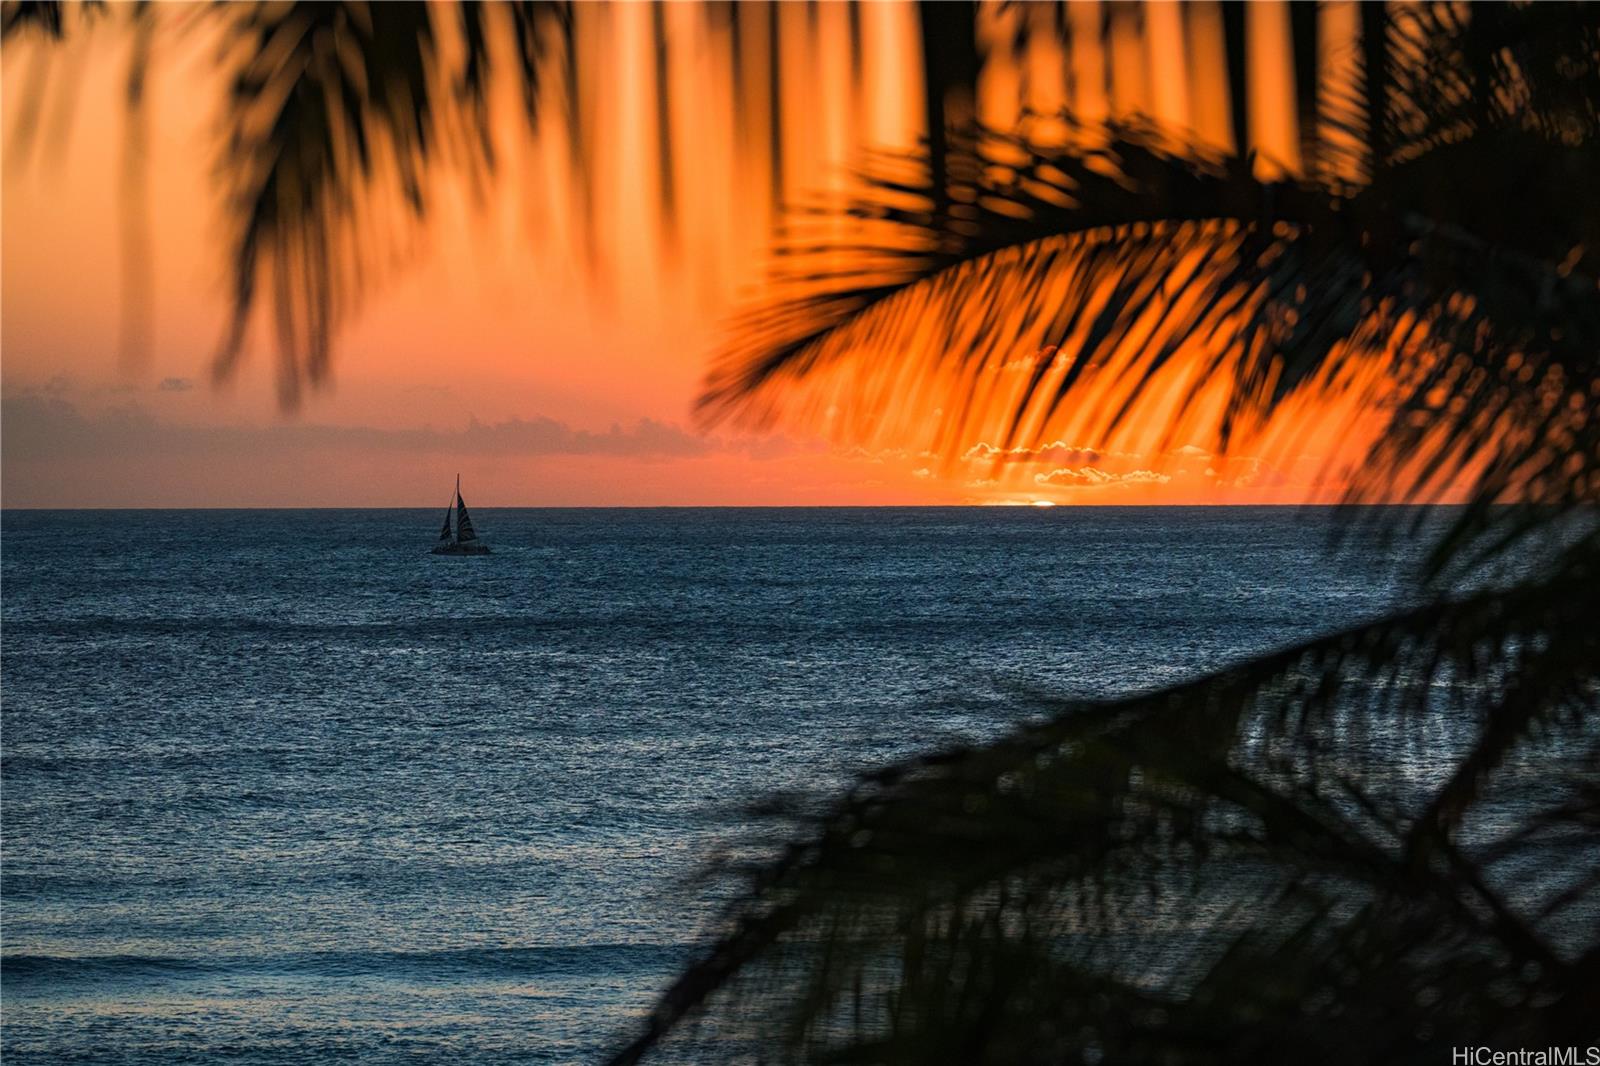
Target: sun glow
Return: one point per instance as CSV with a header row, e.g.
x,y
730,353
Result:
x,y
584,363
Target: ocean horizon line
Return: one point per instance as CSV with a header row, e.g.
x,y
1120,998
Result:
x,y
1019,506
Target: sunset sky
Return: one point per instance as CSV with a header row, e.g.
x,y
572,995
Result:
x,y
495,348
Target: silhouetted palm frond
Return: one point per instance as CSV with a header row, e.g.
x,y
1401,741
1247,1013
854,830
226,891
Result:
x,y
1107,258
338,116
337,112
1331,852
48,16
1371,847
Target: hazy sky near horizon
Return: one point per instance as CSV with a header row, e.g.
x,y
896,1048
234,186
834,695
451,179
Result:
x,y
489,350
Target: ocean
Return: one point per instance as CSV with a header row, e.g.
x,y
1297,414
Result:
x,y
281,787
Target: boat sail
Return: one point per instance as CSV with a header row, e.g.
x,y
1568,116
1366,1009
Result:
x,y
464,539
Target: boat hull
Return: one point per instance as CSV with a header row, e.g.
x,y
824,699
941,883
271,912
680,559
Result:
x,y
459,549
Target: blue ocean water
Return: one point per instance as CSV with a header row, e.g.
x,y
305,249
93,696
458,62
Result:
x,y
279,786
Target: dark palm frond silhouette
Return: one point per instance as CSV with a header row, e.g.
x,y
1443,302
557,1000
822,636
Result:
x,y
340,115
50,17
23,14
1368,848
1232,870
1362,849
335,116
1087,252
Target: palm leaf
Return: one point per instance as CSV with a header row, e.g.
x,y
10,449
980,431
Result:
x,y
335,117
1208,872
48,16
1370,847
1100,265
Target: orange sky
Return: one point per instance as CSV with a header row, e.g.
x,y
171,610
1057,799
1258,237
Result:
x,y
491,352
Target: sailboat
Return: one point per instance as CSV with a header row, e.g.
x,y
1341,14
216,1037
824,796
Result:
x,y
463,540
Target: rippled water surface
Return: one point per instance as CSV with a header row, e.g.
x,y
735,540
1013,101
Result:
x,y
278,786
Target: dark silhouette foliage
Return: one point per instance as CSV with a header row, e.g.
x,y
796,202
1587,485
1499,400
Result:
x,y
1370,848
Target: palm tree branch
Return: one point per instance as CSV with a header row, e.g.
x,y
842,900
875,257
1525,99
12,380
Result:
x,y
1057,798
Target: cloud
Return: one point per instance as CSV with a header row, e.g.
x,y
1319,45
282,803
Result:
x,y
44,426
175,385
1058,453
1062,454
1092,477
